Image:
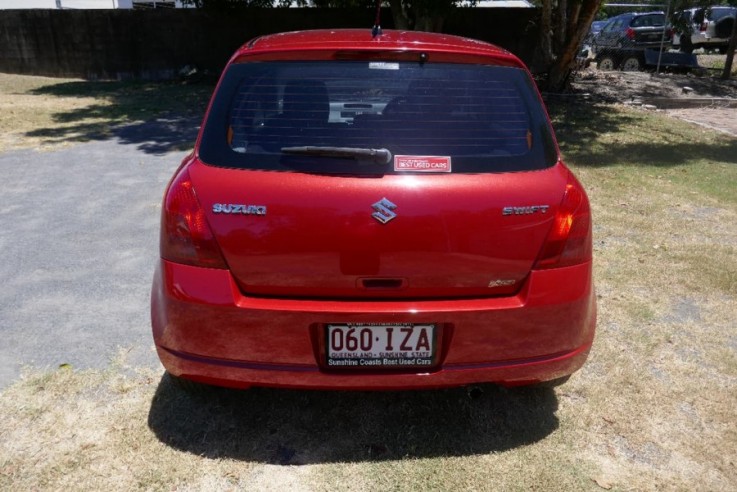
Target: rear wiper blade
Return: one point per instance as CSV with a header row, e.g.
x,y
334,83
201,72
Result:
x,y
381,156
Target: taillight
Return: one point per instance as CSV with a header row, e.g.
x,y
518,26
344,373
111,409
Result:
x,y
569,240
630,34
703,27
186,236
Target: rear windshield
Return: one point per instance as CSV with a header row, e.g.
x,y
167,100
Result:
x,y
294,115
720,13
655,20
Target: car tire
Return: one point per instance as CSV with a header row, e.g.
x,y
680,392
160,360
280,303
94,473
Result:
x,y
631,64
606,63
686,44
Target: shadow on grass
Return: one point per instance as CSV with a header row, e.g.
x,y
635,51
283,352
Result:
x,y
289,427
163,117
157,117
598,135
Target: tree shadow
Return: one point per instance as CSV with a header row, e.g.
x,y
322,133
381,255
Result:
x,y
162,135
594,134
291,427
158,117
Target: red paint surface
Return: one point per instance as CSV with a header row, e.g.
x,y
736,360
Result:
x,y
450,258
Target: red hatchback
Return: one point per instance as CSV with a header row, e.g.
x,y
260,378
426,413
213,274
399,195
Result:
x,y
374,213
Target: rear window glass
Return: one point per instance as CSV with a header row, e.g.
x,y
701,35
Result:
x,y
481,118
616,24
656,20
717,14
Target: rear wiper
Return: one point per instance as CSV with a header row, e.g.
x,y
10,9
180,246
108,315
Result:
x,y
381,156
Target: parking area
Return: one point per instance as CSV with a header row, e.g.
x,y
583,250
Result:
x,y
79,242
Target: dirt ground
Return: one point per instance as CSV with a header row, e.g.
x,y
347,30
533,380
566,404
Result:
x,y
702,99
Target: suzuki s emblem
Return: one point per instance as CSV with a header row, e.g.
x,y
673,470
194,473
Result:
x,y
384,211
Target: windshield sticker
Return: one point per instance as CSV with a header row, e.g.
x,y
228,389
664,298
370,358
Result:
x,y
422,163
383,66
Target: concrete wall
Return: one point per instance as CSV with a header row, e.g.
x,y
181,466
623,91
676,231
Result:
x,y
155,44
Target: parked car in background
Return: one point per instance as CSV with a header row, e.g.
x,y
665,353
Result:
x,y
703,27
622,41
594,31
374,212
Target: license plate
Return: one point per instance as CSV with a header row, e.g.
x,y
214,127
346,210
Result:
x,y
380,345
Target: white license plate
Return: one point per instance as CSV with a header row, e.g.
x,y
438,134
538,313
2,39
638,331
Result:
x,y
380,345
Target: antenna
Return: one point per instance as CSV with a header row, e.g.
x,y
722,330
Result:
x,y
376,31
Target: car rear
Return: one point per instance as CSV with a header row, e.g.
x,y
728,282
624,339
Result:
x,y
704,27
716,29
646,31
374,213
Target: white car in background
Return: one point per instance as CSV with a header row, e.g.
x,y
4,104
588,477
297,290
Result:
x,y
703,27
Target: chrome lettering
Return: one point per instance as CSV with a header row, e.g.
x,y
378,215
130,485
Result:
x,y
238,208
255,210
526,210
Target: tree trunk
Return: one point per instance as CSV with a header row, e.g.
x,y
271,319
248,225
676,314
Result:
x,y
420,16
574,11
401,20
730,52
429,23
561,67
546,45
560,30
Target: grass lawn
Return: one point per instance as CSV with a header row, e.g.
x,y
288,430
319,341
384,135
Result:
x,y
45,113
654,407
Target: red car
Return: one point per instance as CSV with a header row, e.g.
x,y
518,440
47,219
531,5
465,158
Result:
x,y
363,212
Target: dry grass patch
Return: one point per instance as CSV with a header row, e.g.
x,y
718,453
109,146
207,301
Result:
x,y
653,409
45,113
716,63
22,111
662,382
87,430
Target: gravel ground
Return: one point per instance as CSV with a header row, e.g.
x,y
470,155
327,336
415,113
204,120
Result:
x,y
723,119
79,242
700,99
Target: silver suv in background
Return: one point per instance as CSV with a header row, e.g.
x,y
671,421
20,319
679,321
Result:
x,y
703,27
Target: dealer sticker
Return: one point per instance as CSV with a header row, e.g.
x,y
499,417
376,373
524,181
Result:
x,y
422,163
383,66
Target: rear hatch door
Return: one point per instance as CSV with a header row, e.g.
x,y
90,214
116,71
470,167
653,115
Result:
x,y
446,236
458,206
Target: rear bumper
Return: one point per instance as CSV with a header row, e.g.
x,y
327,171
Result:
x,y
207,331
